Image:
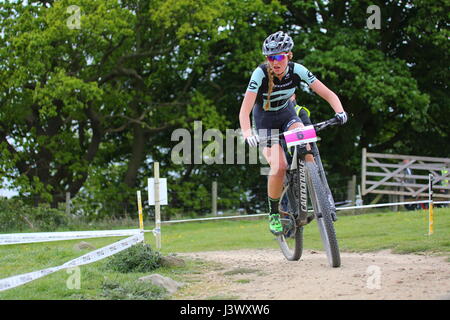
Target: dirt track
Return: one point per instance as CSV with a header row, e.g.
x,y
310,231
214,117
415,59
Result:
x,y
265,274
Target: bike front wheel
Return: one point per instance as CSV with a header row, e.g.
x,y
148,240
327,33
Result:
x,y
322,209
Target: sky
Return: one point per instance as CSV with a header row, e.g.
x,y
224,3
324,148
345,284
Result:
x,y
7,193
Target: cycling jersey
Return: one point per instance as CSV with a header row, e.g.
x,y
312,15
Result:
x,y
281,113
283,89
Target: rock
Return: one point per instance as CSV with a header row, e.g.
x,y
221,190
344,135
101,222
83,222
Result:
x,y
158,280
171,261
83,245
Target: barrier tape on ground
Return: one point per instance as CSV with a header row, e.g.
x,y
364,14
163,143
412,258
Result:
x,y
17,238
90,257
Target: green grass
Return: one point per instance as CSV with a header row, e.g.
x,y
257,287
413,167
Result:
x,y
19,259
403,232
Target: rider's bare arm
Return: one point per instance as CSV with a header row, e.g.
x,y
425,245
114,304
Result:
x,y
327,95
244,114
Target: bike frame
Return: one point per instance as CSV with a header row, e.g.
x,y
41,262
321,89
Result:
x,y
300,166
302,178
323,177
299,152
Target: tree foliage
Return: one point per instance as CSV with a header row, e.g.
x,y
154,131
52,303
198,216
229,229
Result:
x,y
88,110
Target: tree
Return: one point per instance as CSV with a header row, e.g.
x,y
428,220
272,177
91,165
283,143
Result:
x,y
375,74
88,108
97,100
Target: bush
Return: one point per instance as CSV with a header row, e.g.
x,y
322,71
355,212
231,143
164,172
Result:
x,y
48,219
9,218
18,216
138,258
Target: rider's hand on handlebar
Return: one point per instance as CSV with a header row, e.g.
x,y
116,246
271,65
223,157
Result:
x,y
252,141
342,117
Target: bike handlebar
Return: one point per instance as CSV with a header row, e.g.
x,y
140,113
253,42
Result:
x,y
324,124
317,126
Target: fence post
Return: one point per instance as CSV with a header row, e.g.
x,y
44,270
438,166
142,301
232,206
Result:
x,y
359,201
214,198
393,198
157,208
351,187
141,218
363,171
67,203
351,191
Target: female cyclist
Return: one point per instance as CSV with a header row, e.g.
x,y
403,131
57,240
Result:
x,y
269,97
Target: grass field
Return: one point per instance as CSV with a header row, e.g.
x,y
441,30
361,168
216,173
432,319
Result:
x,y
403,232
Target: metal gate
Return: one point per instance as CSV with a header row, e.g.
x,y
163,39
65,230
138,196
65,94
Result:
x,y
404,175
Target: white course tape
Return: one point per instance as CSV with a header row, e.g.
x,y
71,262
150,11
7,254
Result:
x,y
90,257
16,238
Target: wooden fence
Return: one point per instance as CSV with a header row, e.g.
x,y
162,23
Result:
x,y
404,175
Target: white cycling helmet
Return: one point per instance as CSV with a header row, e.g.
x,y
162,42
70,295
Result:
x,y
276,43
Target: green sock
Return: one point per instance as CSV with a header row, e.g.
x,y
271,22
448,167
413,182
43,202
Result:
x,y
273,205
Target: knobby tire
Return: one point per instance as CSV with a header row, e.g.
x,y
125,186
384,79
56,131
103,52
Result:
x,y
322,209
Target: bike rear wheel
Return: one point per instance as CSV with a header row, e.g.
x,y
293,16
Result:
x,y
322,210
291,241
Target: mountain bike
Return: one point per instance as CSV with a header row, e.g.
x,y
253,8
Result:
x,y
304,177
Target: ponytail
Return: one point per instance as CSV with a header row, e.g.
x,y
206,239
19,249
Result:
x,y
269,91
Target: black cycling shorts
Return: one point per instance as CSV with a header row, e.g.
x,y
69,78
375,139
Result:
x,y
269,123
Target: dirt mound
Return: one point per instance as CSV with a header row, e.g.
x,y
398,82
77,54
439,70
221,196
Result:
x,y
266,274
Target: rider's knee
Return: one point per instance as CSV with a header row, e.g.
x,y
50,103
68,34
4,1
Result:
x,y
278,169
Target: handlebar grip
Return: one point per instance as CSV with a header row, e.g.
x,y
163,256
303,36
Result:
x,y
325,124
333,121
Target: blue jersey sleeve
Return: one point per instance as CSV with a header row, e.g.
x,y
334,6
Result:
x,y
304,73
256,80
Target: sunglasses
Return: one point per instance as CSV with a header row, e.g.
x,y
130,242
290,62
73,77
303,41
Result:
x,y
278,57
